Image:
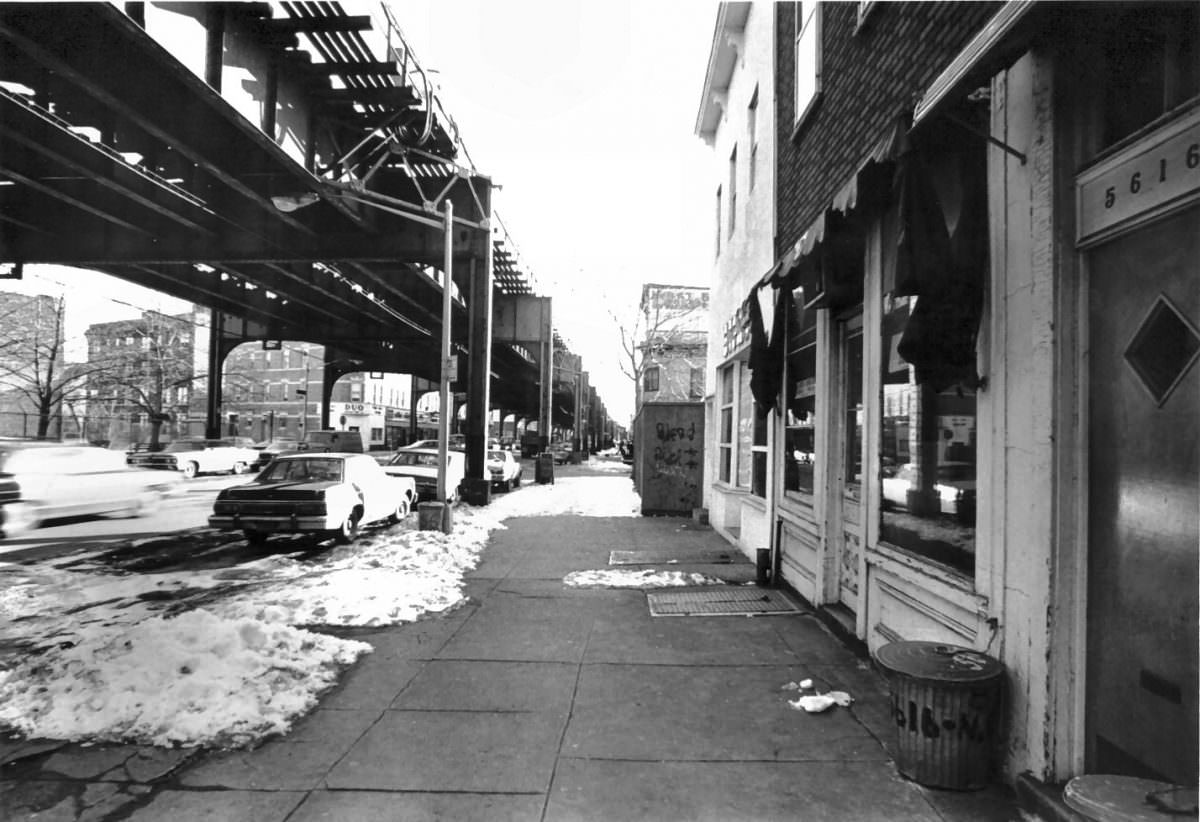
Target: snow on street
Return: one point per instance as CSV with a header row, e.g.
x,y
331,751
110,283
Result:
x,y
225,657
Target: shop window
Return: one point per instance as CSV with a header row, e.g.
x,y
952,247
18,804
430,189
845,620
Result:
x,y
758,455
935,277
376,435
852,406
801,411
725,433
650,379
745,427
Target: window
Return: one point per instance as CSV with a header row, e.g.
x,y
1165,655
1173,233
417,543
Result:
x,y
745,427
650,379
732,191
376,435
752,137
295,358
852,406
725,432
696,384
718,221
758,456
801,411
808,58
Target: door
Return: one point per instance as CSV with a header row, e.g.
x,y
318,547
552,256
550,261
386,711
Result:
x,y
1144,412
848,502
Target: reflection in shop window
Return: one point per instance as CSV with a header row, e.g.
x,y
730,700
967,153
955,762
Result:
x,y
801,393
927,459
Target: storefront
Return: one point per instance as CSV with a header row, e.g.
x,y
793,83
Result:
x,y
989,397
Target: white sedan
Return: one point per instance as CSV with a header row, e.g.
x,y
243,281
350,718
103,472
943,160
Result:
x,y
199,456
504,469
330,493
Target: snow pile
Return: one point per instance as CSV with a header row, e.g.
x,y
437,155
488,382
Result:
x,y
196,679
582,496
625,578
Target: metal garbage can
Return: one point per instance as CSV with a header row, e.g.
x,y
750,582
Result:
x,y
543,468
946,702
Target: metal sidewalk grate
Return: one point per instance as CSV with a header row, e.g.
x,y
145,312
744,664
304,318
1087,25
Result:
x,y
725,601
670,557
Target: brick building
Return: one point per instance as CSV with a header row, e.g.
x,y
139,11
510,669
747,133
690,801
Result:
x,y
974,354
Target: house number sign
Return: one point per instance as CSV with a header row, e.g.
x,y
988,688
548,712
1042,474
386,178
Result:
x,y
1157,174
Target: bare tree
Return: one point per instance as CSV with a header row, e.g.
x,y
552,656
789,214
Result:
x,y
149,370
668,326
32,364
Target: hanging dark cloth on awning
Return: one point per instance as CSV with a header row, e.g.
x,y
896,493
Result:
x,y
767,351
942,259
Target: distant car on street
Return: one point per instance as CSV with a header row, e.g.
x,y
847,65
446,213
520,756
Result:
x,y
199,456
271,449
330,493
422,466
504,469
41,481
561,451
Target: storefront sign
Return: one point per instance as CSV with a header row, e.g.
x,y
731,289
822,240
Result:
x,y
1157,174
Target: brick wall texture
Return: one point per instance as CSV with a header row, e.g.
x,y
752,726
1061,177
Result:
x,y
869,76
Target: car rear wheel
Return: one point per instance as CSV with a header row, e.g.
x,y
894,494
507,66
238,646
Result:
x,y
401,512
255,537
190,469
21,517
516,483
349,530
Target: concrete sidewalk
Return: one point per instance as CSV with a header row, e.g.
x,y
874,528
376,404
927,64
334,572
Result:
x,y
536,701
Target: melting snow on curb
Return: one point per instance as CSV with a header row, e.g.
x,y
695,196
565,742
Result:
x,y
623,578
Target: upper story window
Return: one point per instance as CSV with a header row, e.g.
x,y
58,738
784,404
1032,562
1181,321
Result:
x,y
732,191
718,221
752,136
808,57
650,379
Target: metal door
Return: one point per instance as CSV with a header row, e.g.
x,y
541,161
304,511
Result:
x,y
1143,503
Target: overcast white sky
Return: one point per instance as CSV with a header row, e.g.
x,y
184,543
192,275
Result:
x,y
584,113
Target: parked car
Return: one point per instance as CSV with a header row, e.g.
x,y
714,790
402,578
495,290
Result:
x,y
199,456
326,440
504,468
44,481
955,488
331,493
271,449
422,466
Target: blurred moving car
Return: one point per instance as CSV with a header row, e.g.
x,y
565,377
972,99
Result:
x,y
199,456
561,451
504,469
420,444
955,488
48,480
422,466
331,493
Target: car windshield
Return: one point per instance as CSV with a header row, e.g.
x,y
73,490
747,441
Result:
x,y
185,445
303,470
498,456
413,458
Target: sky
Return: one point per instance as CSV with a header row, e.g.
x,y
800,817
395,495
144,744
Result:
x,y
209,657
584,114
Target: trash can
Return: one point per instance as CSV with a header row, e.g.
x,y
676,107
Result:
x,y
434,516
946,702
543,468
